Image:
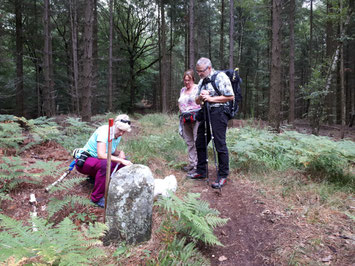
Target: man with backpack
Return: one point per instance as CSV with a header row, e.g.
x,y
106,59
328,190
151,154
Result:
x,y
215,93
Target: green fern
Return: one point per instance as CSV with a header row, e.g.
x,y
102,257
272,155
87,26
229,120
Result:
x,y
63,244
178,252
6,118
67,184
55,205
13,173
195,217
10,136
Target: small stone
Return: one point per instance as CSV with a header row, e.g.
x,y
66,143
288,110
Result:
x,y
326,259
222,258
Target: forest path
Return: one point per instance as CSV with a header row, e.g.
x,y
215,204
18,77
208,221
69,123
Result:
x,y
256,228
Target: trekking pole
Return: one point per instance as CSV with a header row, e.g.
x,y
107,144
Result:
x,y
108,167
205,117
212,138
71,166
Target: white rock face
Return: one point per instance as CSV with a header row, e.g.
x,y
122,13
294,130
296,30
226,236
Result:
x,y
163,186
130,205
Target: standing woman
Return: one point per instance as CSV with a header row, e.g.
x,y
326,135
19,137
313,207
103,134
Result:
x,y
92,160
188,109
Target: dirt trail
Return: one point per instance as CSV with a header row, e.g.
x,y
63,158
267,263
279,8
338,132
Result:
x,y
251,236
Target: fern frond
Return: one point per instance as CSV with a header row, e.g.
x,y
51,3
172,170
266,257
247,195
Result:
x,y
68,184
62,244
55,205
195,217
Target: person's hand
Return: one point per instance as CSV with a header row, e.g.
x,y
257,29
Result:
x,y
121,155
126,162
204,92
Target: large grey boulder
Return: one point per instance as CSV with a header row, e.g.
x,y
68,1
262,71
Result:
x,y
130,205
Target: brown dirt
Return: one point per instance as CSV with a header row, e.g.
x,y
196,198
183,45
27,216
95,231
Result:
x,y
262,229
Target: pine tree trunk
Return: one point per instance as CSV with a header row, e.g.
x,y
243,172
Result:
x,y
48,87
74,38
19,59
110,83
88,62
342,85
231,33
275,75
191,36
221,41
164,59
291,114
95,55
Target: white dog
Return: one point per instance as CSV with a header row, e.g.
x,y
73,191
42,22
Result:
x,y
163,186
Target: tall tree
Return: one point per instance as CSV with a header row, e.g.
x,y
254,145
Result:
x,y
291,113
221,40
342,80
75,66
95,57
110,58
310,36
19,59
275,75
163,75
48,88
231,33
87,62
137,32
191,35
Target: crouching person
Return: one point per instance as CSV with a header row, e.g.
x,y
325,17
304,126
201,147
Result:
x,y
92,160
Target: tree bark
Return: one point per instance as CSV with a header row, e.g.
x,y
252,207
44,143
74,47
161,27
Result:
x,y
19,59
88,62
191,36
95,56
164,59
291,114
110,59
275,75
342,81
310,37
231,33
48,88
221,40
74,38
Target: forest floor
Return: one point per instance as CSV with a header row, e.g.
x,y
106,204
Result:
x,y
264,228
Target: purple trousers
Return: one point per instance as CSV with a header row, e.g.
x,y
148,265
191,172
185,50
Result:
x,y
95,167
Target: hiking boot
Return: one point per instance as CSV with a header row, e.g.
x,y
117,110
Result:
x,y
100,203
219,183
196,176
90,179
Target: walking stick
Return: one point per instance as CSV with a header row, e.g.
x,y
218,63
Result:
x,y
205,117
108,167
213,141
71,166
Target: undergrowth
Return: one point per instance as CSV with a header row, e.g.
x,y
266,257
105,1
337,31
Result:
x,y
13,173
320,157
192,217
41,243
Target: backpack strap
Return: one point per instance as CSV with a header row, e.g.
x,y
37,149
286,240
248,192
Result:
x,y
213,82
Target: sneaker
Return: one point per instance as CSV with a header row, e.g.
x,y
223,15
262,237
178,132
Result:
x,y
219,183
196,176
100,203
